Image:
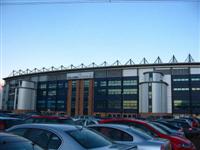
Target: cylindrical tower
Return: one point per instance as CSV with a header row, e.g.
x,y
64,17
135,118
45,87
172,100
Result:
x,y
153,93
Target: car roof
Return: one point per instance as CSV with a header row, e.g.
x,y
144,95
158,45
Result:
x,y
123,119
11,118
49,117
56,127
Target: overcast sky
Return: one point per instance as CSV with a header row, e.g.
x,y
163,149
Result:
x,y
36,36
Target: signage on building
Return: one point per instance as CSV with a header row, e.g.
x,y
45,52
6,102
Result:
x,y
80,75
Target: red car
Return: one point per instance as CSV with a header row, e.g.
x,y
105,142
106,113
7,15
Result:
x,y
178,143
50,119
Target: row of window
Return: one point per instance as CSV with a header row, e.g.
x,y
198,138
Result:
x,y
130,104
117,83
181,79
185,79
195,89
181,89
119,91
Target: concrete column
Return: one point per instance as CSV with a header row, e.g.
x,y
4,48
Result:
x,y
81,97
91,98
77,97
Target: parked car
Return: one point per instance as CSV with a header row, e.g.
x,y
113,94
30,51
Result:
x,y
184,126
86,122
10,142
62,137
192,121
7,122
49,119
168,130
178,143
128,135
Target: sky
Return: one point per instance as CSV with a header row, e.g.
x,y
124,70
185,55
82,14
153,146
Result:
x,y
36,36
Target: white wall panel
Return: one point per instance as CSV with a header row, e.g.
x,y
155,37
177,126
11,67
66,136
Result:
x,y
129,72
195,70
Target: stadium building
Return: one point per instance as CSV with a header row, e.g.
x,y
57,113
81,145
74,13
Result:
x,y
114,90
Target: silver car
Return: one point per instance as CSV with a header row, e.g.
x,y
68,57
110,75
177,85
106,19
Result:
x,y
62,137
128,135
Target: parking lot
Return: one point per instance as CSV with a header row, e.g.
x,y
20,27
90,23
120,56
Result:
x,y
45,131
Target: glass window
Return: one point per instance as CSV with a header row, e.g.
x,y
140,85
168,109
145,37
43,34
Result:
x,y
52,93
129,91
181,103
181,89
43,86
54,143
196,89
180,79
114,83
195,79
19,132
86,83
52,85
60,85
73,84
114,104
114,134
88,139
129,104
129,82
38,136
114,91
102,83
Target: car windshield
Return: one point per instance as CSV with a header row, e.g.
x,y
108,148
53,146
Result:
x,y
166,129
158,128
88,139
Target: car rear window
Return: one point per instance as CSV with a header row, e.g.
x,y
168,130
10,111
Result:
x,y
88,139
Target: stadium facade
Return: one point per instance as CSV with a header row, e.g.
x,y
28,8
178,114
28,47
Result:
x,y
115,90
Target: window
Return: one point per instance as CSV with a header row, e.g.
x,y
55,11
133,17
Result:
x,y
52,93
95,83
60,85
181,103
195,79
38,136
102,83
73,84
129,82
180,79
114,83
54,143
114,104
195,89
43,86
101,91
86,83
129,91
114,91
19,131
114,134
52,85
88,139
129,104
181,89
